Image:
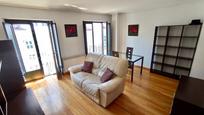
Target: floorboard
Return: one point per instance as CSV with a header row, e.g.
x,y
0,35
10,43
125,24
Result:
x,y
149,94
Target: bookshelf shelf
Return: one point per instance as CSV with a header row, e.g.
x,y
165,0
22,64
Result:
x,y
184,47
174,49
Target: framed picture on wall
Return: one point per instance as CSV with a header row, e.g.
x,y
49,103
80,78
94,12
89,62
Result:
x,y
133,30
71,30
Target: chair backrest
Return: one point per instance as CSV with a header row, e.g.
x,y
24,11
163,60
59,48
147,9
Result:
x,y
115,53
129,52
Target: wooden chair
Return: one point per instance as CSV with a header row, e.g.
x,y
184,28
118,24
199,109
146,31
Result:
x,y
115,53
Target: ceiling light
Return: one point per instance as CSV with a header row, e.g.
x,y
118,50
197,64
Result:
x,y
71,5
75,6
67,5
81,8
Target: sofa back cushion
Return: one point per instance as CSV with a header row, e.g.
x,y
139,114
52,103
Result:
x,y
121,68
117,65
95,58
101,63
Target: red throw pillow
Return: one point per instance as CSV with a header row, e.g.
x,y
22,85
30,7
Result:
x,y
87,67
107,75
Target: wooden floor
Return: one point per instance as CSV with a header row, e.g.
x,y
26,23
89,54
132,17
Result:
x,y
149,94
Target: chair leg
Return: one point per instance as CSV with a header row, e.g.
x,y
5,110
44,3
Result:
x,y
132,72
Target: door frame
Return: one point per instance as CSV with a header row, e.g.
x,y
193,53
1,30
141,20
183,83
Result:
x,y
34,38
56,48
54,40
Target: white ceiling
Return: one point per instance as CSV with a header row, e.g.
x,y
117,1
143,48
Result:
x,y
96,6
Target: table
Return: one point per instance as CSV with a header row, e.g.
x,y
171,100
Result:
x,y
189,97
135,58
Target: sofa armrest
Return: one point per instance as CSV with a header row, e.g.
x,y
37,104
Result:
x,y
75,68
112,84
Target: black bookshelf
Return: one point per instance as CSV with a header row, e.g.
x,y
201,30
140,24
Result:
x,y
174,49
0,64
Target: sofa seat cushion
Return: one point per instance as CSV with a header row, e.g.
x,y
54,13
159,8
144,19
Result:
x,y
90,87
80,77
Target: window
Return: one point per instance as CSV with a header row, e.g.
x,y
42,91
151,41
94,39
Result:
x,y
97,37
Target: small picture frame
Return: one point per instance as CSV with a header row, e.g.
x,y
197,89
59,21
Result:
x,y
133,30
71,30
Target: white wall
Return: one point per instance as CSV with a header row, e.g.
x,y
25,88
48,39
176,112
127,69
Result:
x,y
115,32
2,34
69,46
147,21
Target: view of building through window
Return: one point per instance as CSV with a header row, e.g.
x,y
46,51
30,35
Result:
x,y
28,47
45,48
96,36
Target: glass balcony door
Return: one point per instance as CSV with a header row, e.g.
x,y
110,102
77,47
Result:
x,y
27,47
37,47
45,47
29,51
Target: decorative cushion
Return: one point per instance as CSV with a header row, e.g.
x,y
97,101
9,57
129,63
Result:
x,y
87,67
107,75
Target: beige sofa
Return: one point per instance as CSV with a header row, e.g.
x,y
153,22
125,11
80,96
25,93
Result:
x,y
90,84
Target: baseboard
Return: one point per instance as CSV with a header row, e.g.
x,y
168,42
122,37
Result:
x,y
146,68
66,73
71,57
